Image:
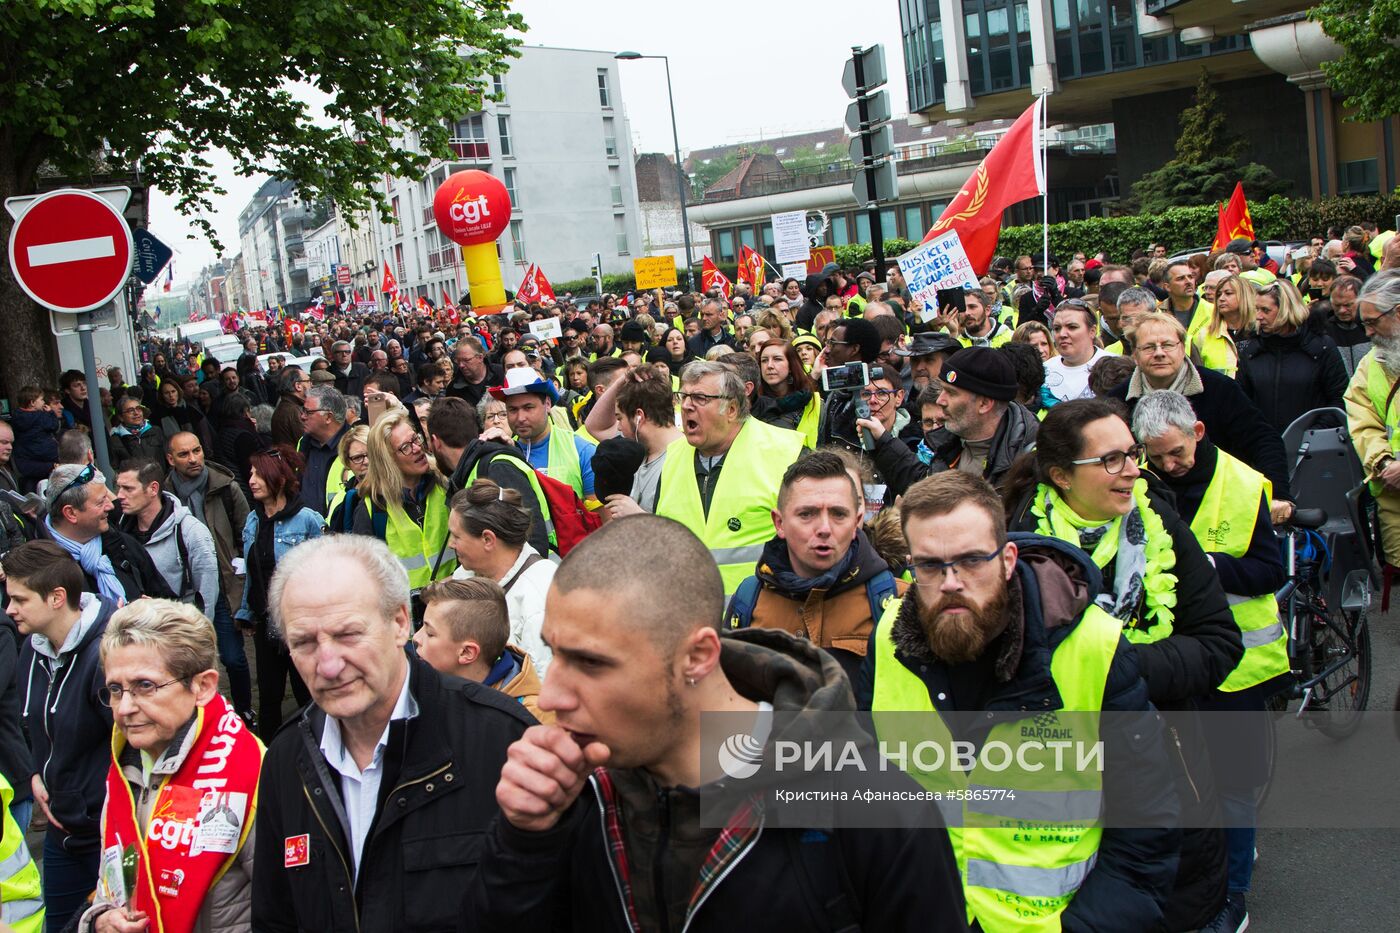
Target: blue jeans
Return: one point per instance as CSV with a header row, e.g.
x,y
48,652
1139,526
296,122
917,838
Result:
x,y
1237,807
231,653
68,879
23,812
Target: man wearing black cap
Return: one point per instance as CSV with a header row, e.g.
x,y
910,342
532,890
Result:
x,y
925,354
634,337
983,428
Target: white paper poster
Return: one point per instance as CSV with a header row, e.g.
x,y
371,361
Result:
x,y
938,264
790,242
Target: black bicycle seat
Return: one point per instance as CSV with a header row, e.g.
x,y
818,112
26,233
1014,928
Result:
x,y
1307,518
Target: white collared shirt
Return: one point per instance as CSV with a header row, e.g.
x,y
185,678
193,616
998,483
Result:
x,y
359,790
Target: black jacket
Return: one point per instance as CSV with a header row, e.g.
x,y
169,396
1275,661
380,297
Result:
x,y
1054,582
1288,376
70,731
1204,646
505,466
16,764
133,566
149,445
352,381
701,343
902,468
564,878
436,803
1235,424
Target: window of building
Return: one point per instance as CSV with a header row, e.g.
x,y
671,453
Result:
x,y
498,85
398,222
604,94
511,190
840,234
766,231
724,246
1359,177
503,127
863,227
615,180
820,146
747,238
913,222
610,137
517,240
469,138
620,231
887,223
782,151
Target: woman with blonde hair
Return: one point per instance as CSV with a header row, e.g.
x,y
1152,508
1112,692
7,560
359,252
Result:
x,y
490,531
353,453
403,501
160,664
777,326
1231,321
1289,369
1037,335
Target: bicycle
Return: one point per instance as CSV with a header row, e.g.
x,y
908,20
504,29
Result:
x,y
1329,646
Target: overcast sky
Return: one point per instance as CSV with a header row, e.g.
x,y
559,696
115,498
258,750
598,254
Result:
x,y
740,70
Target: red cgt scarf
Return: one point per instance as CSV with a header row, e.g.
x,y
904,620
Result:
x,y
200,820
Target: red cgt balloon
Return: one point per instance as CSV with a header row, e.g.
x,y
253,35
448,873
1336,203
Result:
x,y
471,207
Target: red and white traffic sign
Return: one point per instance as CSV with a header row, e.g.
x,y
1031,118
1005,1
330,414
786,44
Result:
x,y
70,250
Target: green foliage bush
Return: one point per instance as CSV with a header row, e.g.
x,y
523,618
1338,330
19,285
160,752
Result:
x,y
1278,218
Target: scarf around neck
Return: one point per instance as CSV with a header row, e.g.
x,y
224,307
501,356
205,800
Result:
x,y
94,563
1187,382
192,491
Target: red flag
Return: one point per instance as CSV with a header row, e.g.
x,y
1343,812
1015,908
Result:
x,y
1233,222
293,329
711,278
534,287
750,267
1011,172
317,311
391,284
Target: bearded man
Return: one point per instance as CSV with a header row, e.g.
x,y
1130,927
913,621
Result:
x,y
1373,414
1001,641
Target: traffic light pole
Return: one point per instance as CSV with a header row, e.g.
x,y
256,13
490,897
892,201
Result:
x,y
877,235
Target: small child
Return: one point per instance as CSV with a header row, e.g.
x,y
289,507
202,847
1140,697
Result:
x,y
36,437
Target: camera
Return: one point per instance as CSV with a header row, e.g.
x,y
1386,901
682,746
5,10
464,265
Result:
x,y
851,376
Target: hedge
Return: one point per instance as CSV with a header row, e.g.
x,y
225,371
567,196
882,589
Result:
x,y
1278,218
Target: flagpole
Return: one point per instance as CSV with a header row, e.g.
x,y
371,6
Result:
x,y
1045,174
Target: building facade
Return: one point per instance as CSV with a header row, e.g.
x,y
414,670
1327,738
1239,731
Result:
x,y
1135,63
358,250
559,140
659,203
272,231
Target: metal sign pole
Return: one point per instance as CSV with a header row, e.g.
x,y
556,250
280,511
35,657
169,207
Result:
x,y
99,423
877,235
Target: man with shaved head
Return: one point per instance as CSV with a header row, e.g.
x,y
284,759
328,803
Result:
x,y
637,659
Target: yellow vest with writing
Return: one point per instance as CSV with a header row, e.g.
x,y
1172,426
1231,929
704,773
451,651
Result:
x,y
740,520
1027,836
1225,523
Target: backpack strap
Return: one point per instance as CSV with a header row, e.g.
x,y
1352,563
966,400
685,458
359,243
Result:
x,y
817,854
530,561
879,589
742,603
186,578
379,518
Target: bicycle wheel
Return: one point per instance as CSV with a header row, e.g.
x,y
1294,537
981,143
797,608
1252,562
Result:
x,y
1341,642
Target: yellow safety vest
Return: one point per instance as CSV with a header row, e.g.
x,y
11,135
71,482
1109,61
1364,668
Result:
x,y
1377,245
1218,352
335,479
811,419
417,548
564,464
1025,847
21,896
1378,386
1001,336
1225,523
529,472
740,520
1200,318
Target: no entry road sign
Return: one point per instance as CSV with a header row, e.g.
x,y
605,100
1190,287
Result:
x,y
70,250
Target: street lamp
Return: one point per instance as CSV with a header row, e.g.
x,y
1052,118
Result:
x,y
680,170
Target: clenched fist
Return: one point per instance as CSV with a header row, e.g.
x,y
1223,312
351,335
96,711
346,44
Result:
x,y
544,773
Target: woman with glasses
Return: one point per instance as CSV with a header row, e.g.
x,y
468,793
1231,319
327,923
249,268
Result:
x,y
403,501
276,523
1083,485
353,452
1231,321
794,401
1289,368
161,681
1067,375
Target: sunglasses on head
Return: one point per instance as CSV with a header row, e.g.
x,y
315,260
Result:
x,y
84,477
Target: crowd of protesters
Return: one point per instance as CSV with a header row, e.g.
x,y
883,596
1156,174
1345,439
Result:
x,y
502,576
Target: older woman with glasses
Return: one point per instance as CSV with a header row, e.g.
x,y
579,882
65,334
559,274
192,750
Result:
x,y
171,729
1289,368
277,523
403,501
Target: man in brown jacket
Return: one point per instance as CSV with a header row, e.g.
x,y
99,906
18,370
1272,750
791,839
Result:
x,y
466,627
819,578
286,418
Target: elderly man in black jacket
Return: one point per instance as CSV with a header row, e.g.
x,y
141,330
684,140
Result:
x,y
376,798
620,788
982,428
1231,419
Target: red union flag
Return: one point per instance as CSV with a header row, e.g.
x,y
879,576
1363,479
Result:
x,y
1233,221
750,267
1011,172
711,278
534,287
391,284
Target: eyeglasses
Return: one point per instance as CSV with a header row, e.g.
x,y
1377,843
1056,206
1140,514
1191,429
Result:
x,y
930,572
1114,460
833,342
1166,346
111,695
881,394
358,458
497,416
1373,321
308,412
699,399
82,479
410,445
